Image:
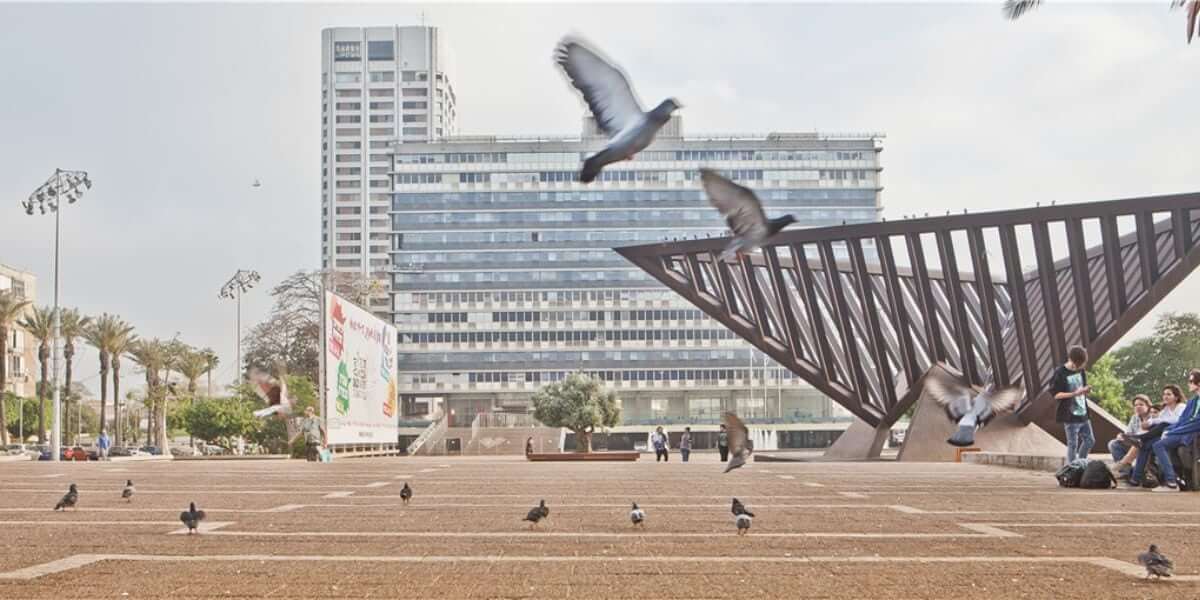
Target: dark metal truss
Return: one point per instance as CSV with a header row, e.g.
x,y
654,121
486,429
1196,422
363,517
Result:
x,y
862,311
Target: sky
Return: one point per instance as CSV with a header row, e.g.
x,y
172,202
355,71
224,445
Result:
x,y
175,109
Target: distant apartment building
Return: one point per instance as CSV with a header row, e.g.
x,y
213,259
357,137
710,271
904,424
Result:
x,y
21,347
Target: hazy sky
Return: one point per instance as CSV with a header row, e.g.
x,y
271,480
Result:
x,y
176,109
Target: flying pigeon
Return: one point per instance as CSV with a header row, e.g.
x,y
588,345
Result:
x,y
971,409
127,493
1156,564
637,516
1193,12
743,213
741,517
191,518
405,493
537,513
272,391
69,500
618,113
740,444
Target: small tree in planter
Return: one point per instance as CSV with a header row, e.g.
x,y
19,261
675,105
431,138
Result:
x,y
580,404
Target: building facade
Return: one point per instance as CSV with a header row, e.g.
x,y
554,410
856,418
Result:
x,y
378,85
503,277
21,347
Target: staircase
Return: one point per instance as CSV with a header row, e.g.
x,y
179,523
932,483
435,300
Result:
x,y
430,437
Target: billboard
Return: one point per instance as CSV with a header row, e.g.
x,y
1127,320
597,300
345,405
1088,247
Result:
x,y
360,375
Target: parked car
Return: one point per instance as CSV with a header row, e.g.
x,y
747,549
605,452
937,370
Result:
x,y
151,450
78,453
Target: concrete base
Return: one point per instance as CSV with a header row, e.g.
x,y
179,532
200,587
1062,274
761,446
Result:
x,y
925,440
859,442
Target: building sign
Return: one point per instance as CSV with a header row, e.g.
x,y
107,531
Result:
x,y
347,51
360,355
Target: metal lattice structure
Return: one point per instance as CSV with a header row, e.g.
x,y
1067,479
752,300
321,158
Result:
x,y
862,311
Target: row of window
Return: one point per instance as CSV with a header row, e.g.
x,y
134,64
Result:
x,y
475,258
546,277
701,375
633,176
560,296
567,337
404,359
352,51
551,316
407,220
523,238
795,197
658,156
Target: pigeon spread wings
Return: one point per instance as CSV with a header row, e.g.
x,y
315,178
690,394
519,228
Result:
x,y
956,399
738,435
741,208
603,85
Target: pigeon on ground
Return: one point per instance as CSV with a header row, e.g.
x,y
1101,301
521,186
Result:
x,y
1156,564
537,513
740,444
972,409
127,493
405,493
272,391
637,516
743,212
618,113
191,518
741,517
69,500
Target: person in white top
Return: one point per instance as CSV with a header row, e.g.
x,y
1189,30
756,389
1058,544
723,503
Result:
x,y
1172,407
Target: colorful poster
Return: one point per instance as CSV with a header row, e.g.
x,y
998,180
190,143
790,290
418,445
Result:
x,y
360,352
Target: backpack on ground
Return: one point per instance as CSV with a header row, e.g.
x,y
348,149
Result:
x,y
1096,476
1070,474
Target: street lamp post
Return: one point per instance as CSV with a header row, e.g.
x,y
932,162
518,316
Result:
x,y
241,282
68,185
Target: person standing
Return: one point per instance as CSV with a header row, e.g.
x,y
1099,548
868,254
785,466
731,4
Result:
x,y
723,443
1070,389
103,444
314,434
529,446
659,440
685,443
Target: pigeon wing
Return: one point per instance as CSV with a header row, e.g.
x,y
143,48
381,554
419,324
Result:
x,y
742,210
955,399
737,432
1000,401
262,383
603,85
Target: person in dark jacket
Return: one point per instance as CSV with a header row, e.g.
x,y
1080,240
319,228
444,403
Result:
x,y
723,443
1070,389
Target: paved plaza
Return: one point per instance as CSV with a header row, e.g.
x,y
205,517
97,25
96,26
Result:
x,y
289,529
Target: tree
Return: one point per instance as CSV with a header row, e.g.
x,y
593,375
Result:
x,y
27,411
210,364
192,365
152,355
1149,363
221,421
72,325
1013,9
39,324
120,344
1107,389
581,404
11,309
108,333
273,434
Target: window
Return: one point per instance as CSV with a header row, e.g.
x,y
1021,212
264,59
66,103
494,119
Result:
x,y
379,184
381,50
474,177
381,93
348,158
354,77
347,262
348,132
382,131
349,183
383,118
347,198
380,157
348,106
379,170
380,144
348,210
416,131
348,171
355,93
383,76
349,249
415,92
347,223
380,222
383,105
347,51
414,118
416,105
349,119
349,145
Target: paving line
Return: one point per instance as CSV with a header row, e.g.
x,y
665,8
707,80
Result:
x,y
82,560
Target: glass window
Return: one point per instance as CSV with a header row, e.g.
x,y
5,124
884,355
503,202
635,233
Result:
x,y
383,76
381,50
347,51
415,105
354,77
378,93
415,92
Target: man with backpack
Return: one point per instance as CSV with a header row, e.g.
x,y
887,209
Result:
x,y
1070,389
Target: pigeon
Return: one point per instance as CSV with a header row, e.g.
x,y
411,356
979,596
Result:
x,y
618,113
1193,13
191,518
405,493
127,493
272,391
1156,564
971,409
69,500
743,213
740,444
537,513
637,516
741,517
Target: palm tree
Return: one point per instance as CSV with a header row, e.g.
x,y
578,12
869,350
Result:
x,y
211,360
123,337
152,355
11,309
192,365
72,326
1013,9
39,323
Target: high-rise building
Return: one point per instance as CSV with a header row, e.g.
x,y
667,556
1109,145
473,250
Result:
x,y
504,278
378,85
21,348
